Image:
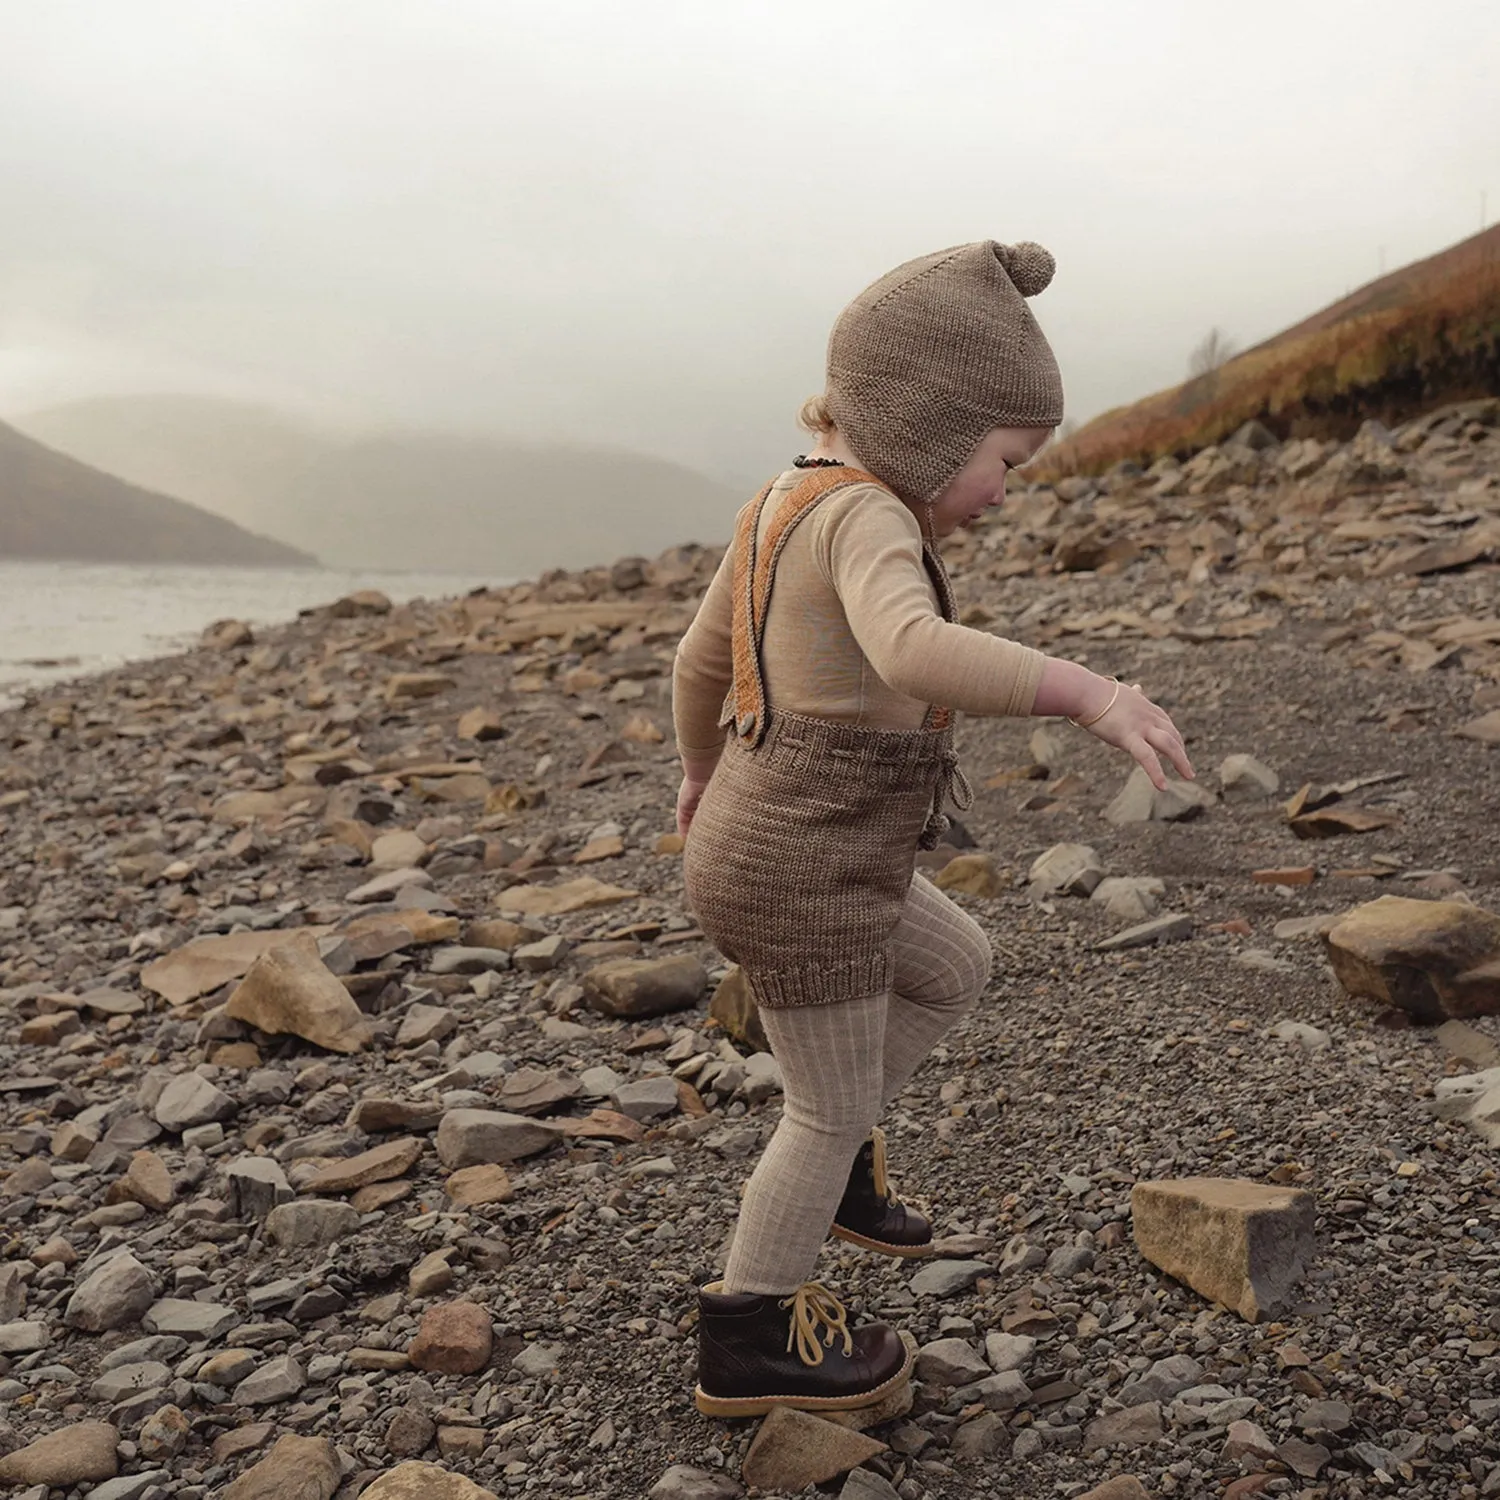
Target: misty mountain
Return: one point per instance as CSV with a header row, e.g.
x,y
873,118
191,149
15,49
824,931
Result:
x,y
421,500
52,506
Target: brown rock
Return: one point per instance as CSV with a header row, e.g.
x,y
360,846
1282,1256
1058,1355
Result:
x,y
671,843
378,933
387,1160
409,1433
482,724
49,1030
297,1468
454,1339
1126,1487
82,1453
227,635
462,1442
1295,875
406,687
472,1186
794,1449
290,990
609,847
566,896
369,1200
241,1056
206,963
375,1115
164,1434
1432,959
230,1445
973,874
1485,729
499,933
1238,1243
603,1125
146,1181
635,987
1330,822
733,1007
417,1481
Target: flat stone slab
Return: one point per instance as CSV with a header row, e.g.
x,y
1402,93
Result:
x,y
1242,1244
1171,928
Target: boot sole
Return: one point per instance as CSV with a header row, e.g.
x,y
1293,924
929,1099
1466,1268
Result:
x,y
758,1406
881,1247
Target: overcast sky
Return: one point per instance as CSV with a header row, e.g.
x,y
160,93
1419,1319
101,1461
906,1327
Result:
x,y
632,221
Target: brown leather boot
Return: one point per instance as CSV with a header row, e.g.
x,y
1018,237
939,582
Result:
x,y
870,1215
756,1352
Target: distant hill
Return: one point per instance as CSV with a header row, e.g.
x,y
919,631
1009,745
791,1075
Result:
x,y
424,500
1423,335
54,507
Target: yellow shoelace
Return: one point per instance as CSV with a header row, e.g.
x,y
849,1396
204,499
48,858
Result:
x,y
813,1304
882,1187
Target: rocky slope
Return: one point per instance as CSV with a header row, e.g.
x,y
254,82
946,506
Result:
x,y
52,506
1426,334
409,500
357,1083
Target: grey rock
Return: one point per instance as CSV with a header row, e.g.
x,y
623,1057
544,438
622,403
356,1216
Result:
x,y
388,886
1129,898
114,1296
537,1360
1065,869
543,955
1021,1255
160,1347
1008,1351
459,960
127,1380
1163,1380
311,1221
278,1380
1310,1038
647,1098
23,1338
1165,929
1244,776
1135,1425
684,1482
599,1082
866,1484
190,1319
1002,1392
426,1023
983,1436
947,1278
132,1486
256,1186
471,1137
1069,1260
191,1099
950,1362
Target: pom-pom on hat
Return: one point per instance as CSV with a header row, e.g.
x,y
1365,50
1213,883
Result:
x,y
930,358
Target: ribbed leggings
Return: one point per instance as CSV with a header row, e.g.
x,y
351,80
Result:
x,y
842,1064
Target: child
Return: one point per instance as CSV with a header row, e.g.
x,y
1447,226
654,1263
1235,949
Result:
x,y
817,747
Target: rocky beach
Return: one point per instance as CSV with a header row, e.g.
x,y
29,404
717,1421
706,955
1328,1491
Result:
x,y
371,1108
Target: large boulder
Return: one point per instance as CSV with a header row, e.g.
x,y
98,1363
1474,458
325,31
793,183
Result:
x,y
1432,959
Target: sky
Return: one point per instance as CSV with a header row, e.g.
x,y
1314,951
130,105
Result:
x,y
587,221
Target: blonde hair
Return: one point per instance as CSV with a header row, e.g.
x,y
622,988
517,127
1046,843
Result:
x,y
814,415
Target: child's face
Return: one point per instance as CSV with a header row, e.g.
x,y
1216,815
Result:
x,y
980,484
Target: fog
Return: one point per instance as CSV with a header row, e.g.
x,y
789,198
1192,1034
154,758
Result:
x,y
631,224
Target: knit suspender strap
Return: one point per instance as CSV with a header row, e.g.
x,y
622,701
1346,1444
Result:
x,y
755,574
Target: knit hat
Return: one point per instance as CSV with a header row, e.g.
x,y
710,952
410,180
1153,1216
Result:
x,y
935,354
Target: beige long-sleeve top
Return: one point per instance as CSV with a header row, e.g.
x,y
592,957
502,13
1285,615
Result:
x,y
854,631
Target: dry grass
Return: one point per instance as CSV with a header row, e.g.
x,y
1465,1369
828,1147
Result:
x,y
1427,333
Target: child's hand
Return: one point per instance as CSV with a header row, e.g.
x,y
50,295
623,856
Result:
x,y
689,795
1133,723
